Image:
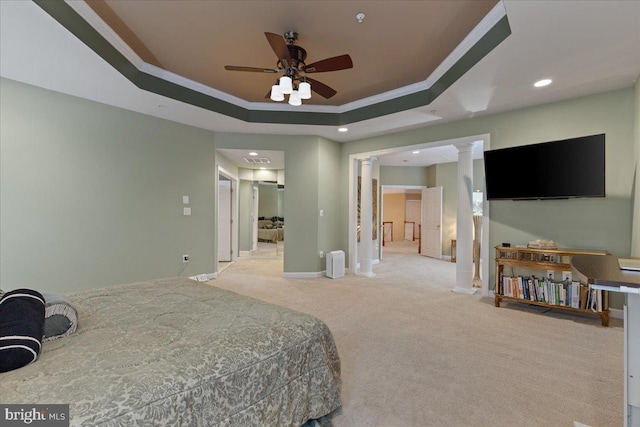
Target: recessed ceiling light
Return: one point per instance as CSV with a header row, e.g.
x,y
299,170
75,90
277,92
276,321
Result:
x,y
542,83
253,153
263,168
416,152
342,129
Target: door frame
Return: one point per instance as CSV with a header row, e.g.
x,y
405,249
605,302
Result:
x,y
354,159
382,190
255,201
224,210
234,215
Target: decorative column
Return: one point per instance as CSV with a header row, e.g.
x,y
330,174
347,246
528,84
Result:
x,y
477,235
464,221
366,219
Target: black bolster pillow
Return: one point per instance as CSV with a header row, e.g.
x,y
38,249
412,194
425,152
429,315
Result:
x,y
21,328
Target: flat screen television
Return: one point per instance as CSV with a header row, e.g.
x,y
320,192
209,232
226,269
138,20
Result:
x,y
551,170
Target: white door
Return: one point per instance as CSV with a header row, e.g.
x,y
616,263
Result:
x,y
432,222
254,219
224,220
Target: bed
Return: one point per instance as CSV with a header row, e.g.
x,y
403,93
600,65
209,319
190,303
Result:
x,y
270,233
177,352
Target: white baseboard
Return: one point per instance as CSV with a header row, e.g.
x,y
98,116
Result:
x,y
446,257
246,253
616,313
304,275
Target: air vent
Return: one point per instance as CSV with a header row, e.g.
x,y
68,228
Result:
x,y
257,160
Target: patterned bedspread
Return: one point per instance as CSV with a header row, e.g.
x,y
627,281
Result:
x,y
273,235
175,352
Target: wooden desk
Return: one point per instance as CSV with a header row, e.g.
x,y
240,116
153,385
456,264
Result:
x,y
604,273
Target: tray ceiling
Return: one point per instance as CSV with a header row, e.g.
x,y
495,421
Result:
x,y
398,43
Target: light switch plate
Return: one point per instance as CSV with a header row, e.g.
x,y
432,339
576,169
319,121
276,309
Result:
x,y
185,200
186,211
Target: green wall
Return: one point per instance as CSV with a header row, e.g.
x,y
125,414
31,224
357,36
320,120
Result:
x,y
304,184
91,194
267,200
281,202
328,202
446,176
602,223
404,175
635,248
245,204
227,165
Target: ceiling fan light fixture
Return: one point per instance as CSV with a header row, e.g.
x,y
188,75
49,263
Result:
x,y
286,86
304,90
276,93
294,98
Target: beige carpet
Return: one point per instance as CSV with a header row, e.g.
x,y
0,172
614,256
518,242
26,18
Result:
x,y
416,354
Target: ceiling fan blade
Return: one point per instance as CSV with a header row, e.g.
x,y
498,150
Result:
x,y
321,88
336,63
279,47
252,69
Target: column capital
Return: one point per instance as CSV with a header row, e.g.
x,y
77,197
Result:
x,y
464,146
369,160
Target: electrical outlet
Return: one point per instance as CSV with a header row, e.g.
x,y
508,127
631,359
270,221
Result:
x,y
551,275
321,254
185,258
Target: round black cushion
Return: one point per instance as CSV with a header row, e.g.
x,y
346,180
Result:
x,y
21,328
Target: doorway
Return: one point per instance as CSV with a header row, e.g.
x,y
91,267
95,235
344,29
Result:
x,y
480,141
227,212
412,215
224,219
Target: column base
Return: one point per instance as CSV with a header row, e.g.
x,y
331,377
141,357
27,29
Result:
x,y
365,274
468,291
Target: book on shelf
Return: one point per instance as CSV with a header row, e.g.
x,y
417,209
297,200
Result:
x,y
575,294
567,293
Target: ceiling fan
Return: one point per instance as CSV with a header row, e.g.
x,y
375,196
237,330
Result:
x,y
291,63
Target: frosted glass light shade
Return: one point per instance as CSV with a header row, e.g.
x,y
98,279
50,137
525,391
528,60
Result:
x,y
285,85
276,94
304,90
294,98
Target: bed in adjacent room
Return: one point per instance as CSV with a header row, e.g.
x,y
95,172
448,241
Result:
x,y
176,352
270,230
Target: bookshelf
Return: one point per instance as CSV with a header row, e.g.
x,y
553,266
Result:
x,y
539,289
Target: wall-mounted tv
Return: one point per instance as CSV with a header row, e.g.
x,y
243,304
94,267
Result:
x,y
551,170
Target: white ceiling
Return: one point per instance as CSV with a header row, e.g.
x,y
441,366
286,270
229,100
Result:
x,y
584,46
276,158
427,156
